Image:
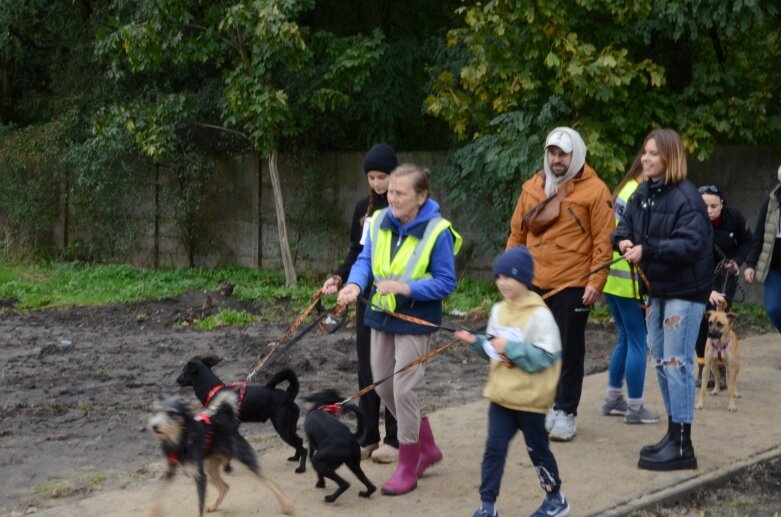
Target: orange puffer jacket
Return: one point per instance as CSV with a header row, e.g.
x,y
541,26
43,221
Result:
x,y
577,241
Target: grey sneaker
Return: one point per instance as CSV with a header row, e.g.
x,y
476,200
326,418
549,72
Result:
x,y
615,407
550,418
641,416
564,428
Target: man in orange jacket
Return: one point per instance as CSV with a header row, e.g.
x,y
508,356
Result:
x,y
564,216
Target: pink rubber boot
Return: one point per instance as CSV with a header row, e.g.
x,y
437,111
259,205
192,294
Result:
x,y
429,452
404,479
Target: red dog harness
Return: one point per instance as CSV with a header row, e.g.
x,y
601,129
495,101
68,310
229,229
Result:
x,y
719,347
173,459
334,409
239,387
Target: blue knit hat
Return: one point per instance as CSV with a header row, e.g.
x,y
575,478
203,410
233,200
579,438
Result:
x,y
516,263
381,157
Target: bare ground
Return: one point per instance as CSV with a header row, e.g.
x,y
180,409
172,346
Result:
x,y
77,385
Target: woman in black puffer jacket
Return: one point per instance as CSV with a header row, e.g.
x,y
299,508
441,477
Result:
x,y
667,233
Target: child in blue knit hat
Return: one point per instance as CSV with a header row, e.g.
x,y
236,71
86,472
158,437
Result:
x,y
524,349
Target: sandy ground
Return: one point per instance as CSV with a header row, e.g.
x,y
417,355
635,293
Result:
x,y
78,385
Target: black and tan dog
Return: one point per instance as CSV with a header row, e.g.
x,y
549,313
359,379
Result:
x,y
332,444
722,347
256,403
204,444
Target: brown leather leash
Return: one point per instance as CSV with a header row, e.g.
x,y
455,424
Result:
x,y
315,301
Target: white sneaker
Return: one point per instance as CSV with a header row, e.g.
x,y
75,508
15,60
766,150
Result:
x,y
564,428
385,454
550,418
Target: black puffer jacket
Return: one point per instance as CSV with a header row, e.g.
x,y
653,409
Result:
x,y
733,239
672,224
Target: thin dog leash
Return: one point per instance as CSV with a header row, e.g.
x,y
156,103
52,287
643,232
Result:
x,y
315,302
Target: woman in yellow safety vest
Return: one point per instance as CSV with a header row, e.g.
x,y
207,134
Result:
x,y
622,293
409,261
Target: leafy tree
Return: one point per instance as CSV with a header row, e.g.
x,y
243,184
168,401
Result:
x,y
613,70
274,73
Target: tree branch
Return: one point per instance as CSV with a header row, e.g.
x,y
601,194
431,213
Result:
x,y
224,129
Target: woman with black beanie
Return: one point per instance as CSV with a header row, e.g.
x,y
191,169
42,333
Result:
x,y
378,163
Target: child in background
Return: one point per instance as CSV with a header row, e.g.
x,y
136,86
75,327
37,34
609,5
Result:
x,y
525,355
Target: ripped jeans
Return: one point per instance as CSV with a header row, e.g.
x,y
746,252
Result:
x,y
673,326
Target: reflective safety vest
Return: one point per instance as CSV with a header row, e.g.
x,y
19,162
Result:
x,y
411,259
620,281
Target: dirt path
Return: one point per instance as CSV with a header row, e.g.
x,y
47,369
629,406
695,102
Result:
x,y
77,386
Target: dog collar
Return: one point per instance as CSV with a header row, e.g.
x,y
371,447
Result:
x,y
212,393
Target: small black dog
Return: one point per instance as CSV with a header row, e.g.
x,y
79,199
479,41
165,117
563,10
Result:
x,y
256,403
331,444
205,443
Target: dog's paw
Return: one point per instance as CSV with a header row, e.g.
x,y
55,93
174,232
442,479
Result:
x,y
698,405
732,408
320,483
715,391
329,498
300,470
368,492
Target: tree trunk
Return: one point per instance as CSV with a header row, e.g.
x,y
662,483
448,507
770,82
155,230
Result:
x,y
284,245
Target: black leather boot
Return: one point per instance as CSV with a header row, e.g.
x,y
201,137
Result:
x,y
677,454
648,449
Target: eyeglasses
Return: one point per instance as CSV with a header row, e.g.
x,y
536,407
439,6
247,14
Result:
x,y
710,189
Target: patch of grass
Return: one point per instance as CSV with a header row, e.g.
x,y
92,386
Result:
x,y
471,295
225,318
58,489
74,283
752,318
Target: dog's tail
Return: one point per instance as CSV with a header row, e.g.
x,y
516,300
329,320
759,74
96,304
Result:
x,y
359,430
285,375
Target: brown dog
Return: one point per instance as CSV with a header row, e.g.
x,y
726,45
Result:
x,y
722,347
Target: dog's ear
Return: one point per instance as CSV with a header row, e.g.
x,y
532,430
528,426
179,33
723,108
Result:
x,y
732,317
210,360
707,314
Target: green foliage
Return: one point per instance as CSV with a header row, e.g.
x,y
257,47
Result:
x,y
472,295
753,318
611,69
227,317
63,284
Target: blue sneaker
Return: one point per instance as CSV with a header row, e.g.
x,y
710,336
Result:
x,y
482,512
554,505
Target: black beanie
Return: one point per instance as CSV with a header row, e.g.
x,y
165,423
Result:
x,y
381,157
516,263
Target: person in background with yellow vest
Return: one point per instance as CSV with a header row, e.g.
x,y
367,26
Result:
x,y
622,293
408,259
564,216
378,163
525,334
764,261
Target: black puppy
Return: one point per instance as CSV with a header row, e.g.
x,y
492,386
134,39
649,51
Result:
x,y
256,403
204,443
331,444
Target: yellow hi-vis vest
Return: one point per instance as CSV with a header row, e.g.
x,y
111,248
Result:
x,y
619,279
411,259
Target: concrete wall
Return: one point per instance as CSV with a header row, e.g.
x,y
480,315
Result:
x,y
243,225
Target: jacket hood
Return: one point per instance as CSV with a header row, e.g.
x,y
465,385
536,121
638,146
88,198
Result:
x,y
428,211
